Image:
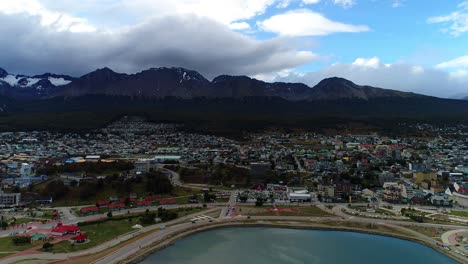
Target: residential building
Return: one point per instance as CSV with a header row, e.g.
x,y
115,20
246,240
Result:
x,y
392,192
9,199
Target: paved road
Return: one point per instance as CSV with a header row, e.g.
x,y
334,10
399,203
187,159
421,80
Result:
x,y
75,219
174,177
126,252
181,224
227,210
105,245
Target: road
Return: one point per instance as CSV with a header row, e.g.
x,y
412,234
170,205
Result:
x,y
184,223
227,210
174,177
106,245
128,251
75,219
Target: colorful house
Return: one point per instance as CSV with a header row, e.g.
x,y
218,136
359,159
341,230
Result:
x,y
61,230
89,210
38,238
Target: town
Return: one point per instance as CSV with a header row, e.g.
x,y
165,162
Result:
x,y
56,188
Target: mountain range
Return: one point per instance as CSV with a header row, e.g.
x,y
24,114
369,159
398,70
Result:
x,y
226,104
181,83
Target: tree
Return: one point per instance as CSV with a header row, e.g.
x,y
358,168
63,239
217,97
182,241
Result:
x,y
243,198
21,240
148,219
100,184
47,246
259,201
127,201
158,183
3,224
73,183
57,189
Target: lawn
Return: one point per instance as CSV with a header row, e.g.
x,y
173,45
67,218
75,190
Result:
x,y
459,213
377,211
108,191
102,232
283,211
97,233
27,220
181,212
428,231
6,245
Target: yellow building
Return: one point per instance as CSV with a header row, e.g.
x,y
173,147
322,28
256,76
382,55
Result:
x,y
419,177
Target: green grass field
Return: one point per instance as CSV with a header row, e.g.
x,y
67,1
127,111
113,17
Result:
x,y
102,232
459,213
6,245
97,234
104,194
295,211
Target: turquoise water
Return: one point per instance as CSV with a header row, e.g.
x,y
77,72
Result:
x,y
264,245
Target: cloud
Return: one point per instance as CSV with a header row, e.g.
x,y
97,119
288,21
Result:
x,y
457,21
373,62
131,11
56,20
239,26
460,62
189,41
306,23
310,2
398,76
344,3
397,3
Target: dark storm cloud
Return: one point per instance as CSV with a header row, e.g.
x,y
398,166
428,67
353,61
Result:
x,y
191,42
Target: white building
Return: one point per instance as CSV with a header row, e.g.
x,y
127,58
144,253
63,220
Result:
x,y
9,199
300,196
25,170
142,165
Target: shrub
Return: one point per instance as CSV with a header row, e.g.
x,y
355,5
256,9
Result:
x,y
21,240
47,246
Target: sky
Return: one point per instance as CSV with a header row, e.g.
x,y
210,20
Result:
x,y
410,45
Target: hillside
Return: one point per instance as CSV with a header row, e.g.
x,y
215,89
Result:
x,y
227,104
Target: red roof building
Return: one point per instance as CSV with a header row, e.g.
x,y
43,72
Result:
x,y
89,210
167,201
117,206
143,203
81,238
61,230
103,203
152,197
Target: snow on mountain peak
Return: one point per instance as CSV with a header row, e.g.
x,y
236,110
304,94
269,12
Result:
x,y
19,80
58,81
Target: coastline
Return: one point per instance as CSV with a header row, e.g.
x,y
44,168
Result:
x,y
168,241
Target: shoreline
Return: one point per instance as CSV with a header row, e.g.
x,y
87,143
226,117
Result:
x,y
168,241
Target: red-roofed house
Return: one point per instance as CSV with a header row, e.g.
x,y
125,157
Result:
x,y
132,200
167,201
89,210
143,203
116,206
61,230
152,197
103,204
81,238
